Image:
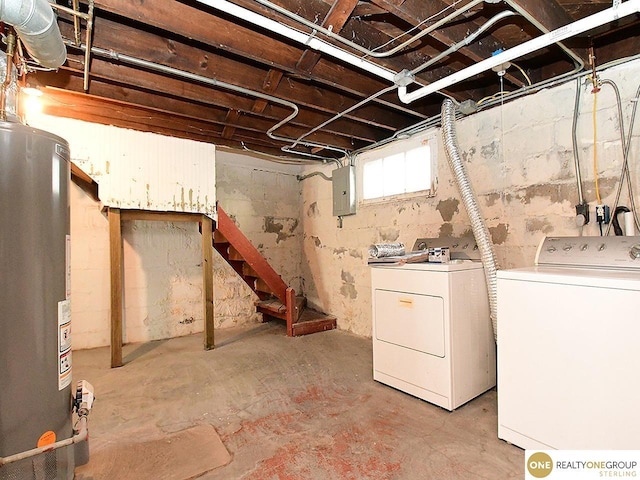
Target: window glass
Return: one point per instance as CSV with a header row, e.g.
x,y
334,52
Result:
x,y
400,168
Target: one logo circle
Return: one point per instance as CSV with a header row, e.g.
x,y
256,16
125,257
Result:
x,y
540,465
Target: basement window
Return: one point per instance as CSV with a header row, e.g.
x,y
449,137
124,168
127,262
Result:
x,y
404,168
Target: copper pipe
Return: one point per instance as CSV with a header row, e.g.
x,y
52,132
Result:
x,y
11,48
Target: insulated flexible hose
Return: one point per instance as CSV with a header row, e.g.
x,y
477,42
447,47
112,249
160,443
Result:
x,y
479,227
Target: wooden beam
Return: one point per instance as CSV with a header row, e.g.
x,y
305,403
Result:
x,y
110,112
270,85
156,216
116,266
230,120
414,12
245,42
550,16
336,18
138,43
133,86
207,281
84,181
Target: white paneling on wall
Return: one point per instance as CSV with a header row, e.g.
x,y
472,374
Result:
x,y
139,170
162,270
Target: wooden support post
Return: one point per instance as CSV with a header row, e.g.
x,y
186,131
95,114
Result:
x,y
207,280
116,261
292,310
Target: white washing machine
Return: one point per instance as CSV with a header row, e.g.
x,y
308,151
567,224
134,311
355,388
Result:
x,y
569,346
432,335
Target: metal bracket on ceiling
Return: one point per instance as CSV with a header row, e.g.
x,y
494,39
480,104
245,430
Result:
x,y
404,78
615,5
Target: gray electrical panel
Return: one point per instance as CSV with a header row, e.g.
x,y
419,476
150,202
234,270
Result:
x,y
344,191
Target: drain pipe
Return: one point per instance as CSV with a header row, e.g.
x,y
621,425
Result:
x,y
478,225
37,28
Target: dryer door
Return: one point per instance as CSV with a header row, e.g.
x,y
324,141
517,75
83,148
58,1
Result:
x,y
410,320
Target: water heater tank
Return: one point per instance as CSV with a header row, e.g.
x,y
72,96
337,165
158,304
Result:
x,y
35,328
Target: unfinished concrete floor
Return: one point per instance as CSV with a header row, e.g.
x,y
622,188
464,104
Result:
x,y
290,408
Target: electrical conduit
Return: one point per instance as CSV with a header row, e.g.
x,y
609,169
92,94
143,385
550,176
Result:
x,y
479,227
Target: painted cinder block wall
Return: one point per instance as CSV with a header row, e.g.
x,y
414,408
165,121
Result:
x,y
519,157
162,269
520,160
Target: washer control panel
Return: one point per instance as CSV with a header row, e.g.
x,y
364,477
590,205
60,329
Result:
x,y
591,252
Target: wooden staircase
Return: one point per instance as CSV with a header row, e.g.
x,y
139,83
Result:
x,y
277,299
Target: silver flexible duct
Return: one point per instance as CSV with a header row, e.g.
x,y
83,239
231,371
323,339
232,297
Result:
x,y
37,28
479,227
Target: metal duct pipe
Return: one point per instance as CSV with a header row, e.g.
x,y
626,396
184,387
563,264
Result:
x,y
36,26
479,227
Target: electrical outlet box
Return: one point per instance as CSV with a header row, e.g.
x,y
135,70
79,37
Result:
x,y
343,181
603,214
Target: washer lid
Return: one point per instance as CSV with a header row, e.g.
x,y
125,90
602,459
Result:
x,y
576,276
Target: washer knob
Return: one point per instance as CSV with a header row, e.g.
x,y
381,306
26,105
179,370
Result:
x,y
634,252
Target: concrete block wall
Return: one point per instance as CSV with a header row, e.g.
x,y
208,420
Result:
x,y
263,199
162,279
520,162
519,157
162,260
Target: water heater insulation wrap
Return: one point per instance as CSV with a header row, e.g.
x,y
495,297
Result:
x,y
35,398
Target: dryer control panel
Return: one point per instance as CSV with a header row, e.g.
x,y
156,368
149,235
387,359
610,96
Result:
x,y
590,252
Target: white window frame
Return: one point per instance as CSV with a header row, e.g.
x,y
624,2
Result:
x,y
399,146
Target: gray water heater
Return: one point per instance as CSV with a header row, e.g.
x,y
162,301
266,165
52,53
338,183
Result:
x,y
35,329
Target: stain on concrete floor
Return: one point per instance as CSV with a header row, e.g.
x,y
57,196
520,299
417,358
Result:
x,y
293,408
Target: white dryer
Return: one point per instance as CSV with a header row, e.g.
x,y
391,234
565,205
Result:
x,y
432,335
569,346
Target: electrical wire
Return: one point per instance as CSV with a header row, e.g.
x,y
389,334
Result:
x,y
524,74
595,144
313,174
411,74
328,32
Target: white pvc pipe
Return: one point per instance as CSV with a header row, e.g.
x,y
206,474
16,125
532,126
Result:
x,y
301,37
367,52
629,224
37,28
596,20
